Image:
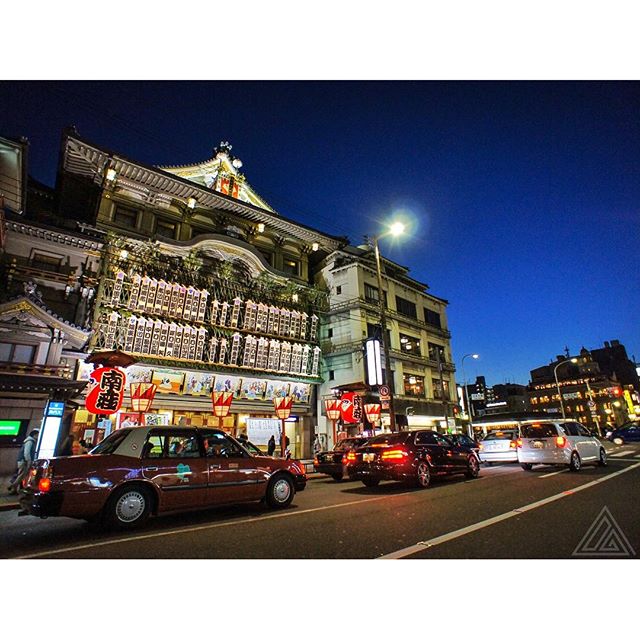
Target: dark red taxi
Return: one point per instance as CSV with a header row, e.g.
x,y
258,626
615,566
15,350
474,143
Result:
x,y
142,471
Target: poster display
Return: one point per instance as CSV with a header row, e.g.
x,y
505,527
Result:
x,y
198,383
168,381
253,388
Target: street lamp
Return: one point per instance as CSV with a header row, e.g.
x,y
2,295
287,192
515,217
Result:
x,y
221,405
396,229
282,408
555,375
372,411
332,408
475,356
142,394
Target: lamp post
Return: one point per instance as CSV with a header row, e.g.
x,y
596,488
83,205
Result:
x,y
142,395
221,404
555,375
332,409
395,229
475,356
282,408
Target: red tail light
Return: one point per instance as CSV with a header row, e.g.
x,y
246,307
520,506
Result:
x,y
349,457
513,444
44,485
560,442
480,446
519,443
397,455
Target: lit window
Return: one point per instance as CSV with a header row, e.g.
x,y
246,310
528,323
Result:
x,y
413,385
291,266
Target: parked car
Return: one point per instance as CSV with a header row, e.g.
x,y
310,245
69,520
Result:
x,y
333,462
136,472
560,443
629,432
499,446
414,457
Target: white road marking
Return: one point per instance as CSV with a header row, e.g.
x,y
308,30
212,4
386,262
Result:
x,y
422,546
622,453
182,531
555,473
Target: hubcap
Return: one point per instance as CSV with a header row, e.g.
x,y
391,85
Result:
x,y
130,506
281,490
423,474
576,461
473,465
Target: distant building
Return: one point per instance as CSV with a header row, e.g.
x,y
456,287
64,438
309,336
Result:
x,y
592,394
499,398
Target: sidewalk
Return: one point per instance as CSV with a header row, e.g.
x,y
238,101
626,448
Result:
x,y
8,502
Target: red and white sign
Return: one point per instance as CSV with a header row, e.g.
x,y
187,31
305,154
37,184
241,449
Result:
x,y
384,392
106,396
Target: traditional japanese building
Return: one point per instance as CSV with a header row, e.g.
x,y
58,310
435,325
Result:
x,y
205,284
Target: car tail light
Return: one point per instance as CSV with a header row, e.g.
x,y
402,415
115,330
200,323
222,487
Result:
x,y
349,457
560,442
519,443
513,444
44,485
480,447
315,460
397,455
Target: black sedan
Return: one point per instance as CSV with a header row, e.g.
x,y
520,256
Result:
x,y
414,457
332,462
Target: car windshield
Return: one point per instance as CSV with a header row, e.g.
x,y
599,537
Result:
x,y
251,448
387,439
540,431
500,435
111,442
347,443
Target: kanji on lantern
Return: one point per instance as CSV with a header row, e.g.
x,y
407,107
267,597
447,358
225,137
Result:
x,y
106,396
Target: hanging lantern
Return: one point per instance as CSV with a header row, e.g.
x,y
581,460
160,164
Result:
x,y
283,407
332,408
221,403
106,396
142,395
372,411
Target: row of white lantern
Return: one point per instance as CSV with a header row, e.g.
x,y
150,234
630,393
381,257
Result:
x,y
189,303
142,335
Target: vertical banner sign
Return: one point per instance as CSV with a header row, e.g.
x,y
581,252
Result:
x,y
224,310
202,307
151,295
171,340
130,332
235,349
137,343
186,342
117,288
223,350
262,353
106,396
155,337
135,290
274,355
213,346
177,342
166,300
304,367
144,291
261,319
296,356
294,329
215,308
313,333
351,408
285,319
157,307
285,357
164,335
235,314
303,326
315,365
274,321
202,338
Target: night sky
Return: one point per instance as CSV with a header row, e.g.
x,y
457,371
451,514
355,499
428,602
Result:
x,y
524,197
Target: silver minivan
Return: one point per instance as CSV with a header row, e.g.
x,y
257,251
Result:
x,y
561,442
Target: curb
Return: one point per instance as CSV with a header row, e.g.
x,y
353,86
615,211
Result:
x,y
9,506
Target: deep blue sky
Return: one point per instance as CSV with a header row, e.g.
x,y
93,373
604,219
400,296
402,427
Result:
x,y
525,196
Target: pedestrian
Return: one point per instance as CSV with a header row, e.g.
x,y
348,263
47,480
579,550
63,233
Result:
x,y
317,447
271,446
25,458
243,437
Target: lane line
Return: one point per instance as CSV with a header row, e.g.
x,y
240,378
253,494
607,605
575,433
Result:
x,y
182,531
555,473
422,546
621,454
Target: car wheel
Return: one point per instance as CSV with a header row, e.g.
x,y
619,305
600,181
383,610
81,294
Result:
x,y
128,507
371,482
617,440
602,460
473,467
423,475
280,492
337,476
575,463
527,466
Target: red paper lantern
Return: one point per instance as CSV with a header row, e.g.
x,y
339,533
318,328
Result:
x,y
283,407
332,408
351,407
142,395
221,403
106,396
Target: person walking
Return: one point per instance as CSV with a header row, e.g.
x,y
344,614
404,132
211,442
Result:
x,y
25,458
317,447
271,446
243,438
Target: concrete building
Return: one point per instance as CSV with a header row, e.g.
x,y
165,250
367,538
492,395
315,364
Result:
x,y
420,342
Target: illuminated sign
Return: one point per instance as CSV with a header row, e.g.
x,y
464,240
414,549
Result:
x,y
10,427
374,362
55,409
106,396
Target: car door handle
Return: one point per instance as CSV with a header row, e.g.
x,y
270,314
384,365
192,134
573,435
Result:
x,y
151,468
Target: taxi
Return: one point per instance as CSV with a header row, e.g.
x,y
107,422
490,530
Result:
x,y
142,471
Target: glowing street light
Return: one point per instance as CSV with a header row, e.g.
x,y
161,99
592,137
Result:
x,y
142,395
475,356
395,229
555,375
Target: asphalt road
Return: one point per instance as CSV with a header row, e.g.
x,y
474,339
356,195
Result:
x,y
506,513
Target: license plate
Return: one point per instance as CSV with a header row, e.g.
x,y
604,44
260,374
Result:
x,y
538,445
368,457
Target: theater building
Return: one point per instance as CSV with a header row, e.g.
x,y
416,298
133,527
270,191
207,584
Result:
x,y
205,284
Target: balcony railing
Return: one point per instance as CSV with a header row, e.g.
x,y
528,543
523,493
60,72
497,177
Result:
x,y
19,368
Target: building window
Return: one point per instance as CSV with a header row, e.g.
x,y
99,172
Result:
x,y
371,293
409,344
432,318
46,262
406,307
374,331
329,333
20,353
434,349
166,229
413,385
332,374
126,217
438,386
338,290
291,266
